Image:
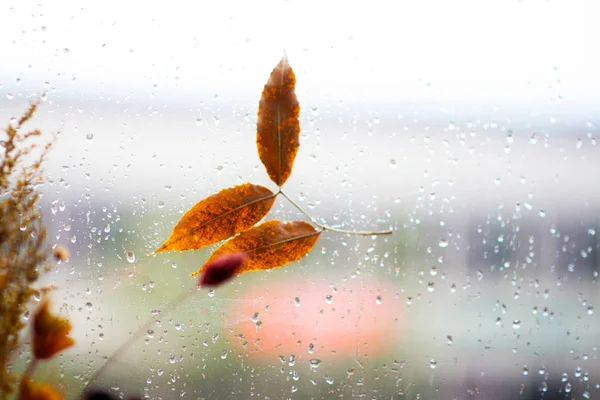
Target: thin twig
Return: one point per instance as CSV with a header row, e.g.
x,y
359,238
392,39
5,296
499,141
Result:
x,y
30,368
123,347
330,228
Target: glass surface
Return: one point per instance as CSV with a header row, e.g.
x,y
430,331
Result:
x,y
468,127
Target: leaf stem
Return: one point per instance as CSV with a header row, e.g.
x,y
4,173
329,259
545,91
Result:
x,y
123,347
30,368
330,228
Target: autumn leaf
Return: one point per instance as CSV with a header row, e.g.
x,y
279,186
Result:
x,y
220,216
222,269
269,245
278,127
50,333
31,390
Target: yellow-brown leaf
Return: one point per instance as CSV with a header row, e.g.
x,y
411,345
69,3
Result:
x,y
50,333
278,127
220,216
269,245
31,390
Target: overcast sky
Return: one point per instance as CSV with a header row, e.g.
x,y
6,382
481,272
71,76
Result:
x,y
386,51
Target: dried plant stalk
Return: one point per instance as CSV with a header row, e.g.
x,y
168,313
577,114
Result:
x,y
22,237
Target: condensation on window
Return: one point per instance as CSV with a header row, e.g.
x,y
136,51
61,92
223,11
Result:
x,y
468,128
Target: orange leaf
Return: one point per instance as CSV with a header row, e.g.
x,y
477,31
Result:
x,y
30,390
278,127
269,245
220,216
50,333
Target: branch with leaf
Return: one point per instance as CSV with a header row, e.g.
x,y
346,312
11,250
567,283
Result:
x,y
234,212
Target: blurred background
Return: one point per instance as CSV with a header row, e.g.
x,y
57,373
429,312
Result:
x,y
468,127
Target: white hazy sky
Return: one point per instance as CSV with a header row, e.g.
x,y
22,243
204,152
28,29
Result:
x,y
463,50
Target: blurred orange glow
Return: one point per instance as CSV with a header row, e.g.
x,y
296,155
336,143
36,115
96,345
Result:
x,y
362,316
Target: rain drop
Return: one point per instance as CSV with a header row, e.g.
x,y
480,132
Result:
x,y
130,255
516,324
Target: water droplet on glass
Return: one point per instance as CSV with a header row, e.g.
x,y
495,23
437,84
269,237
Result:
x,y
297,301
568,387
292,360
516,324
223,354
432,363
130,255
89,137
542,213
378,300
88,305
10,96
329,380
443,243
314,363
329,299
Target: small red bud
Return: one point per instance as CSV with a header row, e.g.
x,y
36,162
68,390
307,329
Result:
x,y
222,269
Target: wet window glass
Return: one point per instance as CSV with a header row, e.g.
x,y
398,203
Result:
x,y
468,128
